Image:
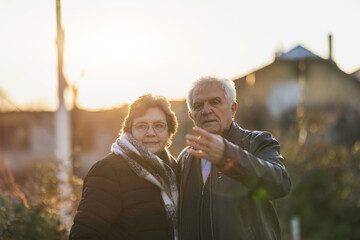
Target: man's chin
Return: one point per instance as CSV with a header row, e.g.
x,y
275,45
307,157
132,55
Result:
x,y
211,128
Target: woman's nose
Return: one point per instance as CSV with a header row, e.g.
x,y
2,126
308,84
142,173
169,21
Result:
x,y
150,131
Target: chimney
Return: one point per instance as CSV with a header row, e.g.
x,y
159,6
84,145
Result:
x,y
330,47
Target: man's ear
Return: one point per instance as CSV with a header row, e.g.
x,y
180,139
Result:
x,y
234,108
191,116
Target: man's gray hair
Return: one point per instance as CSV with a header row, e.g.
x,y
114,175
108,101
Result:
x,y
226,84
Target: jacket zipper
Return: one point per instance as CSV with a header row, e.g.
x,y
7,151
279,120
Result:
x,y
182,174
211,202
202,191
201,199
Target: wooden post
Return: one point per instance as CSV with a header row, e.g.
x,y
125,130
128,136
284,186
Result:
x,y
295,228
62,131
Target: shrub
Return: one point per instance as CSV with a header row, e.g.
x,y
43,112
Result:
x,y
27,223
31,210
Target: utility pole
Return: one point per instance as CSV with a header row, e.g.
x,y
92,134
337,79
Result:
x,y
62,130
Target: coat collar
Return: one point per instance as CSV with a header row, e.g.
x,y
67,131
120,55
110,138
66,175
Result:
x,y
228,134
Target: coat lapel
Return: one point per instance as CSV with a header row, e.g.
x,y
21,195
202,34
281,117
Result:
x,y
186,169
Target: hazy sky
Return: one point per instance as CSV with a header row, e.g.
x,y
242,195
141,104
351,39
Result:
x,y
116,50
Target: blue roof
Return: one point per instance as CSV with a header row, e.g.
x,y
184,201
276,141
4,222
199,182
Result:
x,y
298,53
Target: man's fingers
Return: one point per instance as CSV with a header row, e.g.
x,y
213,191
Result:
x,y
197,153
202,133
191,137
192,144
205,145
197,145
200,141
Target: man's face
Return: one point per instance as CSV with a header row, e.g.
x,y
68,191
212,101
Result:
x,y
211,110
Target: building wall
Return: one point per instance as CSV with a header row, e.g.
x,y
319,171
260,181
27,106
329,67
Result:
x,y
283,85
25,137
326,84
267,93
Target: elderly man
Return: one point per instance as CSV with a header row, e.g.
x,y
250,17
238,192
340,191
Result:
x,y
228,175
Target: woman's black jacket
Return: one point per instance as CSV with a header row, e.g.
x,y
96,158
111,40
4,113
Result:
x,y
118,204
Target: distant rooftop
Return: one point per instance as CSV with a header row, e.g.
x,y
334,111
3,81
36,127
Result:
x,y
297,53
356,74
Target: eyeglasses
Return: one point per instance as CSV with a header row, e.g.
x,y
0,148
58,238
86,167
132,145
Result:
x,y
158,127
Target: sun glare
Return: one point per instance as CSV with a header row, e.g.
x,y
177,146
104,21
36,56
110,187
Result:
x,y
117,61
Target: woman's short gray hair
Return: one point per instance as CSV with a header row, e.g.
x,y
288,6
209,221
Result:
x,y
226,84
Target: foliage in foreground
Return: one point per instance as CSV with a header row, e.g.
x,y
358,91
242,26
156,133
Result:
x,y
31,223
325,174
31,211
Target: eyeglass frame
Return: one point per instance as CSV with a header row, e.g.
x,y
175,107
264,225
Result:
x,y
152,126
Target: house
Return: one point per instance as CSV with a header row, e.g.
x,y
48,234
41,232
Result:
x,y
24,137
296,83
356,74
27,137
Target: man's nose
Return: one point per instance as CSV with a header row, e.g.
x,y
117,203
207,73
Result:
x,y
206,109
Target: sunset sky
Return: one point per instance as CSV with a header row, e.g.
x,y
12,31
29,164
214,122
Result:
x,y
116,50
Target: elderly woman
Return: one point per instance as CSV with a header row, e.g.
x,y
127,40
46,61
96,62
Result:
x,y
131,193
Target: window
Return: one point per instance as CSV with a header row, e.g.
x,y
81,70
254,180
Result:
x,y
14,137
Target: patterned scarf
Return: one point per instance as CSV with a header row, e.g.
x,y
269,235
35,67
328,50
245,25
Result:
x,y
152,168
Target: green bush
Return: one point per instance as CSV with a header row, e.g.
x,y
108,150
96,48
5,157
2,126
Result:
x,y
325,176
30,210
26,223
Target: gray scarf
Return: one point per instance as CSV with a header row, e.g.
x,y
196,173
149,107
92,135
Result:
x,y
152,168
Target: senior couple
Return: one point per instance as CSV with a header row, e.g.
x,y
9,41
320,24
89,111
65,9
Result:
x,y
220,187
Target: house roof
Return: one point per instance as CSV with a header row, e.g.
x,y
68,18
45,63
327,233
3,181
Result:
x,y
298,53
356,74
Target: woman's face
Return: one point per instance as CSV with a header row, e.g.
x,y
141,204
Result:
x,y
151,130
